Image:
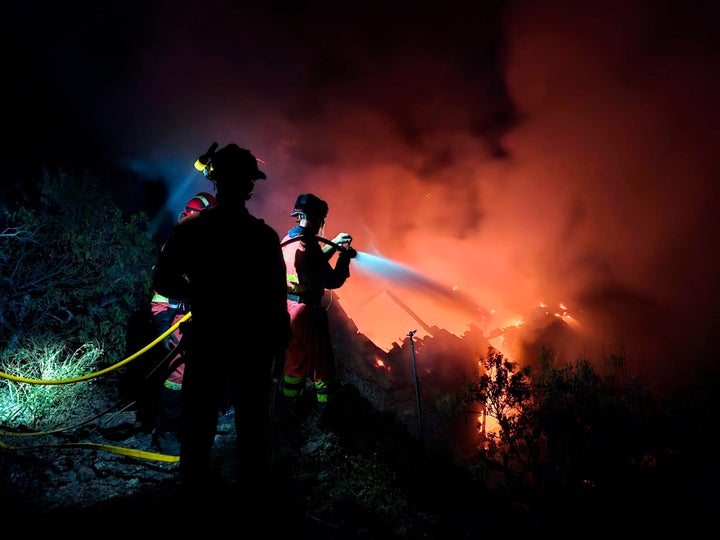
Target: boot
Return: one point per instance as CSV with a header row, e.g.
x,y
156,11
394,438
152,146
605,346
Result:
x,y
167,442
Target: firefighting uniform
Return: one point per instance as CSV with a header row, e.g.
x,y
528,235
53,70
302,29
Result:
x,y
165,313
310,354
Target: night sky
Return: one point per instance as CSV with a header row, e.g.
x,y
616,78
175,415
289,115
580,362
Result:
x,y
512,152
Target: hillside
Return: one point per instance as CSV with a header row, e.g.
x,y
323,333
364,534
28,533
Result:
x,y
378,469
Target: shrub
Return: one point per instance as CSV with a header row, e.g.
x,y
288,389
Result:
x,y
44,407
73,267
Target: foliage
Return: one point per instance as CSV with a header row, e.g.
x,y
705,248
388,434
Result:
x,y
73,267
564,427
595,428
45,406
346,485
505,393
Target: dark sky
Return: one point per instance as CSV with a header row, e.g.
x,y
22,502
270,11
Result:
x,y
532,151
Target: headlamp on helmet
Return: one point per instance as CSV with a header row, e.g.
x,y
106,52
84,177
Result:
x,y
229,163
204,162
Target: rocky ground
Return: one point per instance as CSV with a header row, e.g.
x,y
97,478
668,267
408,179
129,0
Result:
x,y
364,477
336,483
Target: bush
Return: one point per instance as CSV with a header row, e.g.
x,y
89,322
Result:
x,y
44,407
73,267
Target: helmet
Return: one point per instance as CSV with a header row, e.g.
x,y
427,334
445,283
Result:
x,y
229,162
310,205
199,201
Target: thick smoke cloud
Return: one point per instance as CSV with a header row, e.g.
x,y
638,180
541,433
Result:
x,y
515,152
615,175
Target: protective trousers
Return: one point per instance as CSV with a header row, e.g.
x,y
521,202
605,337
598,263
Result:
x,y
309,354
215,372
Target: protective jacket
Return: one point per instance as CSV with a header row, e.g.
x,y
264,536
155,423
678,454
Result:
x,y
165,313
309,274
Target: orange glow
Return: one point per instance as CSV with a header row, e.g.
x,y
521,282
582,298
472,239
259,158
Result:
x,y
486,425
549,178
382,365
491,424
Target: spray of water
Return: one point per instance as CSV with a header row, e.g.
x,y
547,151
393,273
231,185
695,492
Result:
x,y
399,275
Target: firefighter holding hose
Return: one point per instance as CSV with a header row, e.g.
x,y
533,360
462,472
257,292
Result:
x,y
309,356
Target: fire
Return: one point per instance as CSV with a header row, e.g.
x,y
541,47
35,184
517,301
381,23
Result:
x,y
382,365
485,425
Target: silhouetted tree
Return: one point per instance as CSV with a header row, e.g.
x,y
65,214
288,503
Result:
x,y
564,429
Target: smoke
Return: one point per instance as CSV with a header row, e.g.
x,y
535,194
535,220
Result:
x,y
603,198
615,183
512,152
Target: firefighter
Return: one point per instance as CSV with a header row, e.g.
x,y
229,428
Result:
x,y
165,313
236,287
309,356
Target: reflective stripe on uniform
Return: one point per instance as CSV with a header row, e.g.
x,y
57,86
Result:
x,y
157,297
293,386
173,385
160,299
203,198
294,287
321,389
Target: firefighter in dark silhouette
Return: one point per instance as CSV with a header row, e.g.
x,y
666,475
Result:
x,y
310,355
165,313
236,287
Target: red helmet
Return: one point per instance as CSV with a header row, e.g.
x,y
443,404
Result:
x,y
200,201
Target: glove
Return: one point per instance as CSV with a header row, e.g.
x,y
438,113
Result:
x,y
342,239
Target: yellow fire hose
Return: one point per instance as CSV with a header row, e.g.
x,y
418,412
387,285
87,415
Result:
x,y
142,454
102,371
154,456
